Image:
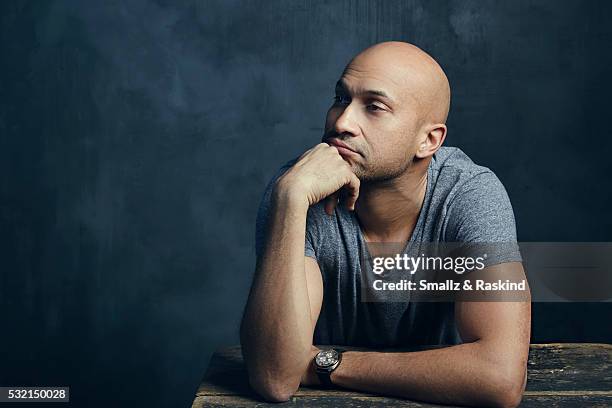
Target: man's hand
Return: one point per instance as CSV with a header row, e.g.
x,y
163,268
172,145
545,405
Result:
x,y
320,173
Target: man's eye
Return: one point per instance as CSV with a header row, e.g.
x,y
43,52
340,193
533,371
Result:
x,y
373,107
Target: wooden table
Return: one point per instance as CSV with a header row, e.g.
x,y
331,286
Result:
x,y
559,375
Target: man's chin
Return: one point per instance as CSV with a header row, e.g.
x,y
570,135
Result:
x,y
358,170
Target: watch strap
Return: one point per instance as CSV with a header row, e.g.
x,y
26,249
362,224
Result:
x,y
325,379
325,376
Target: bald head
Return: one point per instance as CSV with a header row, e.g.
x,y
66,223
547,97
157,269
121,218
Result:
x,y
390,108
414,73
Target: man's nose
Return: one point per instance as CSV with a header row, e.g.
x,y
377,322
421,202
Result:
x,y
346,122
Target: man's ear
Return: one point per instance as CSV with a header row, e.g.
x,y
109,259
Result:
x,y
433,138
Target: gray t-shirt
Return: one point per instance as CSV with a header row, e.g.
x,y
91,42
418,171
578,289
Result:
x,y
463,202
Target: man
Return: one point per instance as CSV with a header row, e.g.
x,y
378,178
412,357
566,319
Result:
x,y
381,175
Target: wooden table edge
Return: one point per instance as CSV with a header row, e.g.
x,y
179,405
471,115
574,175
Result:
x,y
306,392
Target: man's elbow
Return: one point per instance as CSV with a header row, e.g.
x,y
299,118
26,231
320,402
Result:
x,y
507,390
272,385
273,390
509,399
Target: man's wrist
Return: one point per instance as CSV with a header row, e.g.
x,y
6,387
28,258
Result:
x,y
325,363
289,197
339,376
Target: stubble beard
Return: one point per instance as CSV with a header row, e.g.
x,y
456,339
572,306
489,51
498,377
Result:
x,y
376,174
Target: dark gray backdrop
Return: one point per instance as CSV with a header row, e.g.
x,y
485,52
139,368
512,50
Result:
x,y
137,137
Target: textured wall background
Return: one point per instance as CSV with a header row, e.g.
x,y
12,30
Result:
x,y
136,139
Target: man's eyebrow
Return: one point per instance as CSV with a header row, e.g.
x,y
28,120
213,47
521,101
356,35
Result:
x,y
341,86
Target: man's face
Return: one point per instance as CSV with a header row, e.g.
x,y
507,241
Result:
x,y
376,115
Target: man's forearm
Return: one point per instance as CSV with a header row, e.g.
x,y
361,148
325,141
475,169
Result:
x,y
276,332
467,374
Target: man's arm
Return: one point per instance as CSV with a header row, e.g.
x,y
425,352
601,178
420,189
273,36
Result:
x,y
489,369
285,298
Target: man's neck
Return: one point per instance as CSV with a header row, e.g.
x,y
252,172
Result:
x,y
388,211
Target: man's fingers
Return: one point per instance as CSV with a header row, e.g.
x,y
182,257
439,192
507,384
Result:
x,y
325,169
352,192
330,203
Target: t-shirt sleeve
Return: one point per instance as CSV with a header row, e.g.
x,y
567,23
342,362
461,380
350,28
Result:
x,y
263,217
481,214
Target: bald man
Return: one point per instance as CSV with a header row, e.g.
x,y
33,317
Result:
x,y
381,175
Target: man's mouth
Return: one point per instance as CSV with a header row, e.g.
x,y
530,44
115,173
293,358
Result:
x,y
343,148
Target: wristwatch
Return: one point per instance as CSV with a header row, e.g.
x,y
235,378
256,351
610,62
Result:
x,y
325,362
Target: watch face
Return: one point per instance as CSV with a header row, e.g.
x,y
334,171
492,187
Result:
x,y
327,358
